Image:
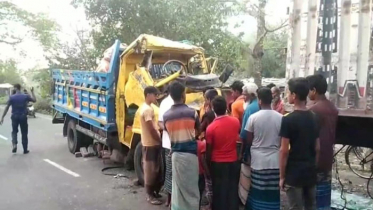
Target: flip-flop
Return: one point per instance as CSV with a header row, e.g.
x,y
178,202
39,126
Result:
x,y
154,201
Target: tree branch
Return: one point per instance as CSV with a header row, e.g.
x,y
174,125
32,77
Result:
x,y
11,42
282,25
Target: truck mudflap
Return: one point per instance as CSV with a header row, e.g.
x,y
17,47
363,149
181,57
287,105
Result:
x,y
58,118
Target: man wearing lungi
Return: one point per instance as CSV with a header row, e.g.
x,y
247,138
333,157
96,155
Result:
x,y
151,147
327,115
263,129
181,123
166,105
221,138
250,93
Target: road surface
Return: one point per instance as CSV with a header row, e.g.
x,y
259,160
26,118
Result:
x,y
51,178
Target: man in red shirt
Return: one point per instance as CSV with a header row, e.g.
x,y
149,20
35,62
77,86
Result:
x,y
221,155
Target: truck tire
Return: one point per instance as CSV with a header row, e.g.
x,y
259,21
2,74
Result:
x,y
138,164
74,138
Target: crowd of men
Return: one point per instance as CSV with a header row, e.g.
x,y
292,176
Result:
x,y
245,152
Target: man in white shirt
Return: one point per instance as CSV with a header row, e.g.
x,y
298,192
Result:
x,y
166,104
263,136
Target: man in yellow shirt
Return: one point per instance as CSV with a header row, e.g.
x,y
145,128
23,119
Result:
x,y
151,146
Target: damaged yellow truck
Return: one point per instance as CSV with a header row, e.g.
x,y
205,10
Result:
x,y
102,107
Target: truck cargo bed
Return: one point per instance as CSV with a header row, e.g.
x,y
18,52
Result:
x,y
87,95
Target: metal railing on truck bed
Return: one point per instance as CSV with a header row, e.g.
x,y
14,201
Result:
x,y
87,95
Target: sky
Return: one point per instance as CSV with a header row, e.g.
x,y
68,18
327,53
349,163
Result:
x,y
29,54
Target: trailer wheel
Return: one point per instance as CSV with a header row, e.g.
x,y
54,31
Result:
x,y
138,163
74,138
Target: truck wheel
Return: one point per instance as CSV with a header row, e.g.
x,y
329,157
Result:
x,y
138,163
74,138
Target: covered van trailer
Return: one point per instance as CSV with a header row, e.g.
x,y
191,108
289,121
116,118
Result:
x,y
334,38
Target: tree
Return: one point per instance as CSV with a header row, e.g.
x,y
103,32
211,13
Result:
x,y
274,58
37,25
257,51
78,55
201,22
44,79
9,72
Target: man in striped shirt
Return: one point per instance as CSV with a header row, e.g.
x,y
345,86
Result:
x,y
182,123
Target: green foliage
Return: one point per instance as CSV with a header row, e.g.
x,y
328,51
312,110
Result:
x,y
201,22
3,100
274,59
44,79
79,55
9,72
38,25
43,105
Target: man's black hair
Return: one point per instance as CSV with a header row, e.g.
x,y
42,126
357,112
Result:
x,y
265,95
176,90
150,90
270,85
206,89
211,94
299,86
219,105
318,82
17,86
237,86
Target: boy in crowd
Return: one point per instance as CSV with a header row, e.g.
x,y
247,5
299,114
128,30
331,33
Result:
x,y
207,118
151,147
300,131
221,154
327,114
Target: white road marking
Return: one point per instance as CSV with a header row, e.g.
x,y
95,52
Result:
x,y
62,168
3,137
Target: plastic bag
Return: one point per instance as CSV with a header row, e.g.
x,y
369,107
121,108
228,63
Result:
x,y
104,64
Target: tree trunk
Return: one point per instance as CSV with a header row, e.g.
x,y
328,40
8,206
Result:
x,y
258,50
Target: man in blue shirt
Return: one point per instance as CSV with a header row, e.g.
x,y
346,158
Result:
x,y
249,91
19,102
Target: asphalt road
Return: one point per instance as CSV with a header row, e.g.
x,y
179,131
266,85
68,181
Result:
x,y
51,178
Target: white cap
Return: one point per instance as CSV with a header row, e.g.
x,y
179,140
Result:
x,y
249,88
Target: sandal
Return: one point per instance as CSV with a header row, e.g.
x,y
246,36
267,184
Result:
x,y
154,201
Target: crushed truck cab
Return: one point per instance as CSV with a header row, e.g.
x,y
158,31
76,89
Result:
x,y
103,107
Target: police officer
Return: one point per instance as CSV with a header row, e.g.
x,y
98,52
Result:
x,y
18,102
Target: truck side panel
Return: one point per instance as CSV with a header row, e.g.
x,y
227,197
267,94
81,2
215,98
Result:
x,y
86,95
